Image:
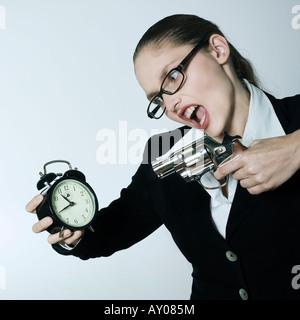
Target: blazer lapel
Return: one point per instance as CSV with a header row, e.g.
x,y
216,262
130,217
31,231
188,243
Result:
x,y
244,202
242,206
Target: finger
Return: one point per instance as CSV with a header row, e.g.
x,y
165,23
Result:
x,y
228,167
73,239
256,190
240,174
32,205
253,186
42,225
247,183
54,238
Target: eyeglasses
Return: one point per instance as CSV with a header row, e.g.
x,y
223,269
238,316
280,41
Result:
x,y
170,85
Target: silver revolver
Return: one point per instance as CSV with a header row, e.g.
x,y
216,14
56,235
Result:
x,y
195,159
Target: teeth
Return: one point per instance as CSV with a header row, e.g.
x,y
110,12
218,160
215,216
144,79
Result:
x,y
202,120
189,111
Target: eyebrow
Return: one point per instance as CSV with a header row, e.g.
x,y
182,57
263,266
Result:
x,y
162,75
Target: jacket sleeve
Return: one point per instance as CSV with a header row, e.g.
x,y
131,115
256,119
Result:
x,y
123,223
133,216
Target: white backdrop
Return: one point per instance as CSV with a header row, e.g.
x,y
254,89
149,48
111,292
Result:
x,y
66,77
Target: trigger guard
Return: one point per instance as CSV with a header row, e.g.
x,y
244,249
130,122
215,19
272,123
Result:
x,y
223,184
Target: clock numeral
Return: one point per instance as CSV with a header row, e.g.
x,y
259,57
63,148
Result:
x,y
74,188
66,188
76,221
82,193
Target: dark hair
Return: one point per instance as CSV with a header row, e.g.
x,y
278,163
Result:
x,y
183,29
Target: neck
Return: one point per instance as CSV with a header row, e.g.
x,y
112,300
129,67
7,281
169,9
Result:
x,y
240,110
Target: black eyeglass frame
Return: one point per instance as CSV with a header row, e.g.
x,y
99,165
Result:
x,y
179,68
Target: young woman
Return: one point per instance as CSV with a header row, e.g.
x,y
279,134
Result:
x,y
242,240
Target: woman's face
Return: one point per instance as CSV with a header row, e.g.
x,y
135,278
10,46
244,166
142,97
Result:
x,y
206,99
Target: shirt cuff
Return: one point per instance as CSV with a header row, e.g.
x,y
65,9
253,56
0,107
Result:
x,y
67,247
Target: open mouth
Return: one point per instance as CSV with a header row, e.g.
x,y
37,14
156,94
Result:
x,y
195,114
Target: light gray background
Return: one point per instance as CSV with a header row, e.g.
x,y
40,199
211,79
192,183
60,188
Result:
x,y
65,73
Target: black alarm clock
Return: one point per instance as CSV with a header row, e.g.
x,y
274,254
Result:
x,y
68,199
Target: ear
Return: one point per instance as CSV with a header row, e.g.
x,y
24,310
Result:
x,y
219,48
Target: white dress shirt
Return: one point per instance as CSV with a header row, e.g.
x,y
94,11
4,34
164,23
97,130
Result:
x,y
262,123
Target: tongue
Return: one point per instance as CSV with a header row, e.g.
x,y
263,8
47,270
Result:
x,y
199,113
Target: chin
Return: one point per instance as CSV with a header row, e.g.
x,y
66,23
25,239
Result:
x,y
218,135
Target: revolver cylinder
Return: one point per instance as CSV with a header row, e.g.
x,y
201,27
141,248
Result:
x,y
191,160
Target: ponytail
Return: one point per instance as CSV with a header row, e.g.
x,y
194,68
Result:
x,y
243,67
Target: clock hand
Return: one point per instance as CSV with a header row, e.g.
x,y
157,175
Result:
x,y
67,199
69,205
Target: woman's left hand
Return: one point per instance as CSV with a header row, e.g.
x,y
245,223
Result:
x,y
266,165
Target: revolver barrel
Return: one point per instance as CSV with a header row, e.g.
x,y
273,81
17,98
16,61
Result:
x,y
189,161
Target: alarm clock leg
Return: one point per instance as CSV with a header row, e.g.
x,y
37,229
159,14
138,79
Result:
x,y
91,228
61,231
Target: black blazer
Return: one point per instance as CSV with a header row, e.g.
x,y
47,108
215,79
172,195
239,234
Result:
x,y
262,236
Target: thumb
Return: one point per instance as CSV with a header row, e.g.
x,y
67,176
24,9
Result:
x,y
33,204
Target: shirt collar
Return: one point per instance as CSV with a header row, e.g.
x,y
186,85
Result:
x,y
262,121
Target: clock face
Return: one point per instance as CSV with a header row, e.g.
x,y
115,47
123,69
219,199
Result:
x,y
73,203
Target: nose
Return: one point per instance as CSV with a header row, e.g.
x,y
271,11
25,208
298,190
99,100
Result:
x,y
171,102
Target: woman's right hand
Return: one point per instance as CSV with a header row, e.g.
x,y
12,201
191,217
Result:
x,y
68,237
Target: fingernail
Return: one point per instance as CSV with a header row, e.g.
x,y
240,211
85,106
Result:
x,y
39,197
67,233
47,221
